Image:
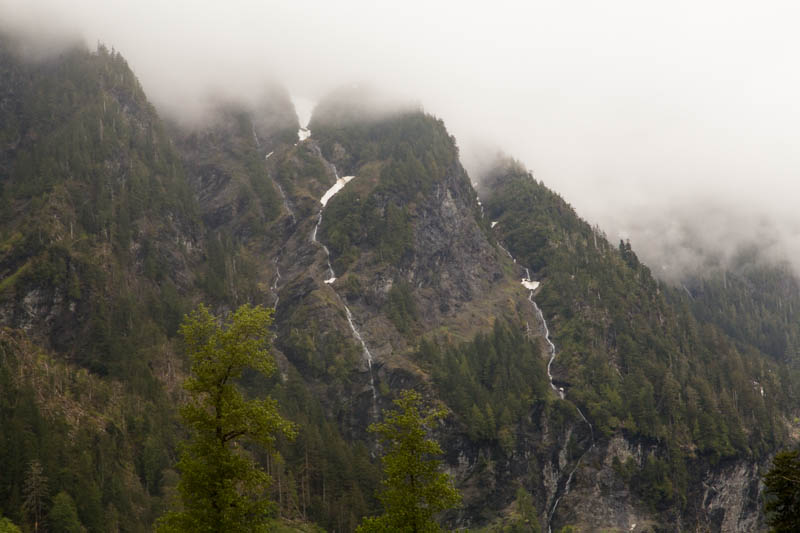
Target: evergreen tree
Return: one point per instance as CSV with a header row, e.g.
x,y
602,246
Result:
x,y
63,516
35,490
782,490
414,489
221,487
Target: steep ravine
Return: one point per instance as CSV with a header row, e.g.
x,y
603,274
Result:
x,y
303,134
532,286
338,186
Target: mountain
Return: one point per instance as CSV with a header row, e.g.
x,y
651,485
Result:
x,y
601,396
98,232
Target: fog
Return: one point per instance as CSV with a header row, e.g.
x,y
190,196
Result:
x,y
671,124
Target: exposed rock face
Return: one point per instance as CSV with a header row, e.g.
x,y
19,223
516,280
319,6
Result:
x,y
259,213
453,262
731,499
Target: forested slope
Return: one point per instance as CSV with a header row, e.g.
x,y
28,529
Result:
x,y
113,225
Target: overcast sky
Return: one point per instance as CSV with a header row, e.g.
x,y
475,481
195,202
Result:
x,y
649,117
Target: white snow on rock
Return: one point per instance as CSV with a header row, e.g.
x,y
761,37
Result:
x,y
269,154
338,186
329,281
530,285
494,223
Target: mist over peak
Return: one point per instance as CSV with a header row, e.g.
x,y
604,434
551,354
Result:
x,y
640,116
360,102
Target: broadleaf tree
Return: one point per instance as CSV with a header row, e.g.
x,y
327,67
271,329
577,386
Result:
x,y
414,487
221,487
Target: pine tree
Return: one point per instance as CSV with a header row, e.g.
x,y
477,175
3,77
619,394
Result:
x,y
35,491
414,490
782,491
221,486
63,516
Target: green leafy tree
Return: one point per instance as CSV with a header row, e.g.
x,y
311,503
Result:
x,y
63,515
7,526
414,489
221,487
782,488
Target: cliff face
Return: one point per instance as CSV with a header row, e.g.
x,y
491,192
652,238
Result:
x,y
96,206
98,251
113,226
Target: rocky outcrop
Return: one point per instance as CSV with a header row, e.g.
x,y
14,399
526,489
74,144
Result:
x,y
731,499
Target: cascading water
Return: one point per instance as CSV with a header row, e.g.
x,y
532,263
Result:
x,y
331,276
338,186
531,285
366,352
274,286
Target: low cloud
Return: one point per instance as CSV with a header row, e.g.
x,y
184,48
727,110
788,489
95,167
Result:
x,y
672,123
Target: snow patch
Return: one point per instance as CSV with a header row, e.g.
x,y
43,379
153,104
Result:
x,y
330,281
530,285
338,186
269,154
494,223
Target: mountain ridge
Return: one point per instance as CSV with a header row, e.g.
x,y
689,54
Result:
x,y
118,223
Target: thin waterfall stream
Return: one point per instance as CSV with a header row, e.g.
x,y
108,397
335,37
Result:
x,y
532,285
274,287
304,108
338,186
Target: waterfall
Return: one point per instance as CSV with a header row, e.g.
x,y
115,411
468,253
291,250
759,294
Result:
x,y
278,185
366,352
531,285
274,286
338,186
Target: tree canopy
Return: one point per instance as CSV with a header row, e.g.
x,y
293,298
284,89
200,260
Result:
x,y
782,490
221,487
414,489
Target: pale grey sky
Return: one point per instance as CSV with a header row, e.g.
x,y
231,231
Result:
x,y
640,113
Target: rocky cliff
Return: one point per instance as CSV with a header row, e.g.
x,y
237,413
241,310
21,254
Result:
x,y
593,390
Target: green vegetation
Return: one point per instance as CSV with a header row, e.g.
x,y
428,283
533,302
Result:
x,y
68,431
782,492
636,359
401,308
416,153
414,490
320,476
221,487
491,382
111,228
63,516
753,302
7,526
